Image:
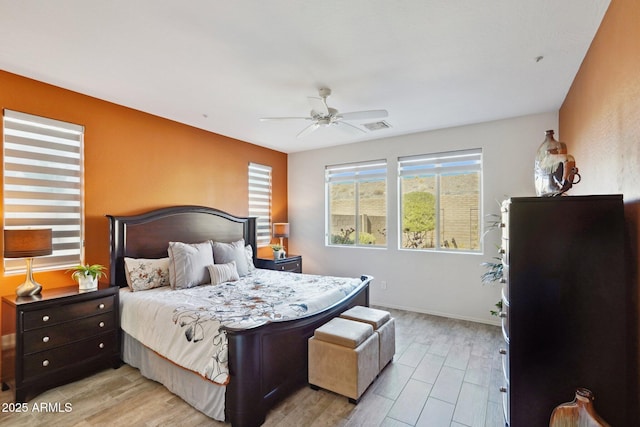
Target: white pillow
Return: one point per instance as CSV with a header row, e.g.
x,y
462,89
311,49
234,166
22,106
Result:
x,y
221,273
227,252
188,264
143,274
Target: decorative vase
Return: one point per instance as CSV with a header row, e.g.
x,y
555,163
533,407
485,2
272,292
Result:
x,y
279,254
555,170
87,283
578,413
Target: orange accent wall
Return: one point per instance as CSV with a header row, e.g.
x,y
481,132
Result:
x,y
600,122
136,161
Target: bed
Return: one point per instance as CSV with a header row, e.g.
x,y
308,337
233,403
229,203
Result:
x,y
266,362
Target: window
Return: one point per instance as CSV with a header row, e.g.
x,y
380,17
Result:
x,y
440,201
43,186
357,204
260,201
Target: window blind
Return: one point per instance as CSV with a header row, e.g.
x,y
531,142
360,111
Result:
x,y
363,171
43,176
441,163
260,201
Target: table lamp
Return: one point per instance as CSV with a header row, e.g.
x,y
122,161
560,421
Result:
x,y
281,230
27,243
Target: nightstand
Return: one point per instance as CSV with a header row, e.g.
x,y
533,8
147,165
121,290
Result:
x,y
57,337
291,263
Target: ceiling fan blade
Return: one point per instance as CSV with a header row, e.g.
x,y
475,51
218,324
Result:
x,y
265,119
318,105
364,115
308,130
350,125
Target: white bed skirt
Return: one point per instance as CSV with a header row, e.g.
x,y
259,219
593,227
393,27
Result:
x,y
198,392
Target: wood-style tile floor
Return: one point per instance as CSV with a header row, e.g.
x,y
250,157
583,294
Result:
x,y
445,373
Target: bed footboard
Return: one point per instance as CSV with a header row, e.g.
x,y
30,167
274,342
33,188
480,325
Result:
x,y
269,362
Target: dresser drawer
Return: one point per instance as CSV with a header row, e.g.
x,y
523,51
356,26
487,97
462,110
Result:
x,y
63,333
293,263
505,405
65,312
293,266
46,362
504,281
504,316
504,251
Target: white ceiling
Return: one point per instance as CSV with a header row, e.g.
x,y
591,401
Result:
x,y
221,65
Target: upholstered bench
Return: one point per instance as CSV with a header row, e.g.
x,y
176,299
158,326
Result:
x,y
343,357
383,324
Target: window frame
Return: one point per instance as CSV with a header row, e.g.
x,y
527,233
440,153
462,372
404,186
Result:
x,y
34,148
358,172
432,164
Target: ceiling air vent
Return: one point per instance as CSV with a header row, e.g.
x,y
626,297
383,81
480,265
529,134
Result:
x,y
377,125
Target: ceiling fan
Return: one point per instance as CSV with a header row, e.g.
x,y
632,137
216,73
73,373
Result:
x,y
323,115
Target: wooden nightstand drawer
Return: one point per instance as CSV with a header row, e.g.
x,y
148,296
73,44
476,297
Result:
x,y
49,361
65,312
292,263
294,266
57,335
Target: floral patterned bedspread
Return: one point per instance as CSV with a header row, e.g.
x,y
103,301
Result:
x,y
184,325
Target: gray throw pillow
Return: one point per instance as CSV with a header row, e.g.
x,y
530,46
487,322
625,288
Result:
x,y
227,252
188,264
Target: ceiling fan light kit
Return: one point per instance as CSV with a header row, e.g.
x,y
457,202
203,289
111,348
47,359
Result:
x,y
323,115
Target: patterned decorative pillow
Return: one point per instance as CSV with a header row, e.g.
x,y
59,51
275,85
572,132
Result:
x,y
227,252
143,274
248,250
188,264
221,273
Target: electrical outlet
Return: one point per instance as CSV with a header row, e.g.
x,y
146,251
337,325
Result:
x,y
383,284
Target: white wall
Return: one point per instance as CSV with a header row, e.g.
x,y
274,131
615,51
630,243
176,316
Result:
x,y
444,284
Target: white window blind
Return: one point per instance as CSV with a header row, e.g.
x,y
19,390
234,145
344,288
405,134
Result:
x,y
363,171
260,201
43,186
441,163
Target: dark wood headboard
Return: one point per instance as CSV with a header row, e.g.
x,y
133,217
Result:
x,y
148,235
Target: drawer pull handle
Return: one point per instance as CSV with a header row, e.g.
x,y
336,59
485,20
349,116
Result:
x,y
45,339
101,306
45,318
101,324
45,363
502,351
503,389
101,345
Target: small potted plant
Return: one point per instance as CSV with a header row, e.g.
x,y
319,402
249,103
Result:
x,y
278,251
87,275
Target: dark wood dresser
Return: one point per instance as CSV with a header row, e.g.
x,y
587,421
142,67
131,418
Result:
x,y
57,337
566,307
291,263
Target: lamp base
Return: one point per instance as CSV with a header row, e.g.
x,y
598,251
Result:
x,y
29,287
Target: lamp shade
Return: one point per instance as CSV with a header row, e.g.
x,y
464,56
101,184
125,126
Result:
x,y
280,229
27,242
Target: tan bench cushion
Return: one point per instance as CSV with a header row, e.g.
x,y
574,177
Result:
x,y
343,332
372,316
